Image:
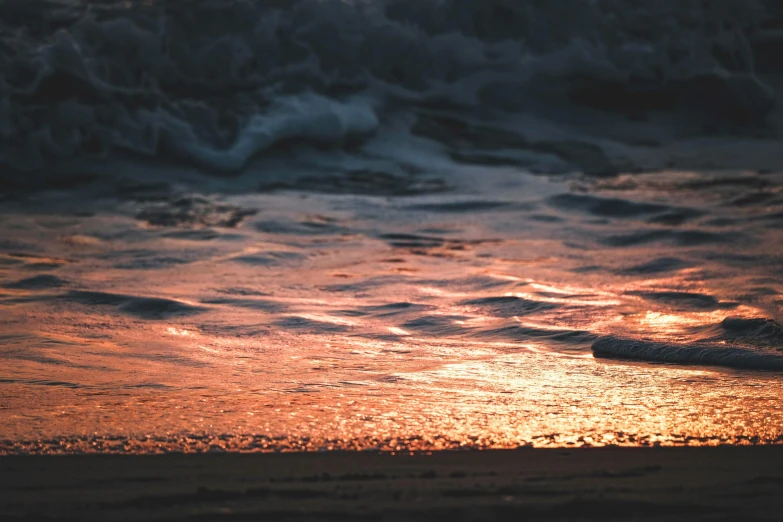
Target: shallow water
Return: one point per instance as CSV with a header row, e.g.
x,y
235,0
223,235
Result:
x,y
465,317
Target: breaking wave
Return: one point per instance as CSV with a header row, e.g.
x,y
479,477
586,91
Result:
x,y
215,83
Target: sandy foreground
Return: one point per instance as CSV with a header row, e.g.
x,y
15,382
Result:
x,y
723,483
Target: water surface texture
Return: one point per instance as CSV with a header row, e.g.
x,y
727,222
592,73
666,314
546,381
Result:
x,y
399,225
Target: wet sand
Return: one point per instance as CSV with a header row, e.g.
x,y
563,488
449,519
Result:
x,y
718,483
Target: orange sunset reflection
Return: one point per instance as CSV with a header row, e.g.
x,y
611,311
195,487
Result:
x,y
346,334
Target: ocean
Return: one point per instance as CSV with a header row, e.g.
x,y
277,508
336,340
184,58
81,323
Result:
x,y
404,225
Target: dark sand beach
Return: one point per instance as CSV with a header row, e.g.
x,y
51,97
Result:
x,y
699,483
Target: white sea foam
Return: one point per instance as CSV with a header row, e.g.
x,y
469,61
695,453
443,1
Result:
x,y
218,82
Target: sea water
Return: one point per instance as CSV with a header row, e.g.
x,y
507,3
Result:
x,y
401,225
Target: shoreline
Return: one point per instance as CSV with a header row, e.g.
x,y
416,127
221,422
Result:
x,y
664,483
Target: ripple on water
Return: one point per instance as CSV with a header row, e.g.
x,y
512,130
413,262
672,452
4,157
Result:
x,y
141,307
661,265
686,300
269,258
510,306
263,305
677,237
608,207
40,282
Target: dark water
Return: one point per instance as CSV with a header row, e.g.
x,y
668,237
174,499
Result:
x,y
305,225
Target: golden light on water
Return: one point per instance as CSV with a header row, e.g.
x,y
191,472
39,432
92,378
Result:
x,y
273,341
412,389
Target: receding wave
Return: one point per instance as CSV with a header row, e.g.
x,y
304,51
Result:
x,y
217,82
711,354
